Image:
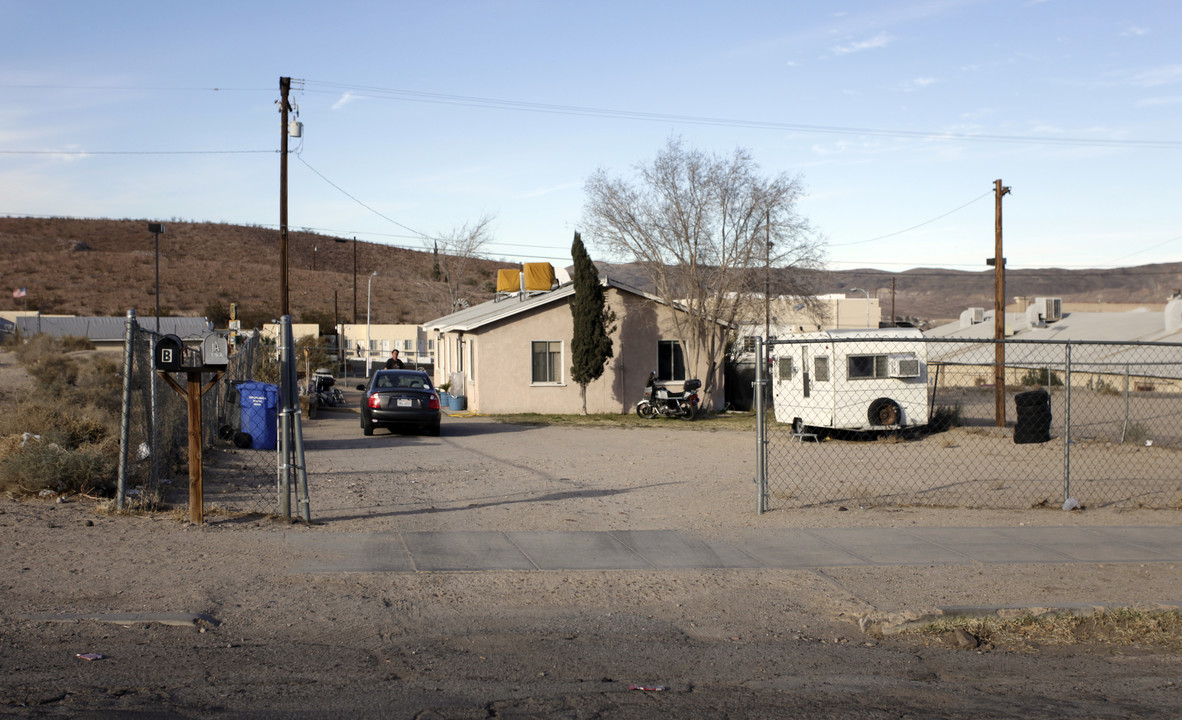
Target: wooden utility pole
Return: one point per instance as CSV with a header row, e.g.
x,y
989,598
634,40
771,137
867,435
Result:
x,y
893,323
284,107
999,311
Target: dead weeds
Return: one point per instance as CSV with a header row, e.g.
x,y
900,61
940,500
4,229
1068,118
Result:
x,y
1160,629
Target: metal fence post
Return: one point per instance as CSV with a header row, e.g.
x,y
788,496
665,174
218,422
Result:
x,y
286,356
1067,426
1124,428
125,413
760,428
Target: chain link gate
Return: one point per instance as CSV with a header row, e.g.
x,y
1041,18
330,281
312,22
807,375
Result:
x,y
240,470
838,423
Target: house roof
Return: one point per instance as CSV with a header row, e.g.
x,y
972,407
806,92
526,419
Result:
x,y
477,316
1134,326
111,329
1108,342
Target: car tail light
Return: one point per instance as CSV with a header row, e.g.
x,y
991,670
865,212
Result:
x,y
375,401
433,403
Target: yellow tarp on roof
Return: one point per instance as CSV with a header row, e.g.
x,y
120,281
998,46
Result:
x,y
507,280
539,276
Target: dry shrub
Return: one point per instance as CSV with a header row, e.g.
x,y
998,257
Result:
x,y
71,343
74,410
1116,626
30,350
70,427
41,465
53,374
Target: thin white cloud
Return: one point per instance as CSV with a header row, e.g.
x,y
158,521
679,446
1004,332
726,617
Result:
x,y
878,41
1135,31
547,190
1164,75
1160,101
344,100
918,84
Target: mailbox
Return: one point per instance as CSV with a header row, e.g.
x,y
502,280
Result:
x,y
214,351
168,354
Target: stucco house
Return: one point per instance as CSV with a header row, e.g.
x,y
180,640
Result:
x,y
512,354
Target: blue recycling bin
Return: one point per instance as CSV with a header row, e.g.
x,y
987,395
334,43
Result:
x,y
260,411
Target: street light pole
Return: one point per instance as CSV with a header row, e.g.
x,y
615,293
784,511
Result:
x,y
156,229
368,296
867,304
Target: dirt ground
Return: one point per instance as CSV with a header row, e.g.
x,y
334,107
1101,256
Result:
x,y
274,641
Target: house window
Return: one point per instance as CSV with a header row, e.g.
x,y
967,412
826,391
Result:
x,y
670,360
867,366
821,369
748,345
546,356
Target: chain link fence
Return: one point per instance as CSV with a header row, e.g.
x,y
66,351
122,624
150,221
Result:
x,y
239,430
903,420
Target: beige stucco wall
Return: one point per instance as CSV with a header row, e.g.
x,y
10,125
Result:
x,y
497,360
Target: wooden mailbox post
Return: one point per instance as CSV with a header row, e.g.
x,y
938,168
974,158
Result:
x,y
168,357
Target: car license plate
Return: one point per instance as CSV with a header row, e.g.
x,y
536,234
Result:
x,y
405,402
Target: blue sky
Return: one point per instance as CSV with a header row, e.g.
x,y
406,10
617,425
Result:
x,y
431,114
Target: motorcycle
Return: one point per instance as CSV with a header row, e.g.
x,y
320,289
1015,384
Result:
x,y
322,387
660,400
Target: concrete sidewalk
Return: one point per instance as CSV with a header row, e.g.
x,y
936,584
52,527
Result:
x,y
777,549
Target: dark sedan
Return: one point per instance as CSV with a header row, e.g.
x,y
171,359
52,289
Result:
x,y
399,399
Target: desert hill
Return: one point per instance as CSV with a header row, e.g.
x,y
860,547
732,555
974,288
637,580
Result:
x,y
104,267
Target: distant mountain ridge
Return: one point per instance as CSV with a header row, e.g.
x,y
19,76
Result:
x,y
104,267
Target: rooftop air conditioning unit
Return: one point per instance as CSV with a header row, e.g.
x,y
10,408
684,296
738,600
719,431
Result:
x,y
1050,308
903,366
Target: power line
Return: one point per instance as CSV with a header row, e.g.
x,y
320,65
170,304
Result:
x,y
914,227
344,192
577,110
586,111
1024,272
141,88
134,152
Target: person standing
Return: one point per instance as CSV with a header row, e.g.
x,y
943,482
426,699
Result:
x,y
394,363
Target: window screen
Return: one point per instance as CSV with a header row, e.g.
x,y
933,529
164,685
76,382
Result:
x,y
546,365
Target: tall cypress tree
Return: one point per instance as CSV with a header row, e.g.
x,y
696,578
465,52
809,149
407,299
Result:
x,y
591,346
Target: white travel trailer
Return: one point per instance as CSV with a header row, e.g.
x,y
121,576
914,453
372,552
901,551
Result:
x,y
851,379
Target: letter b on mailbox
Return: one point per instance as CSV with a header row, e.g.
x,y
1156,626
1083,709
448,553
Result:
x,y
168,354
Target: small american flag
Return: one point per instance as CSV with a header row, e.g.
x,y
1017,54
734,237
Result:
x,y
19,293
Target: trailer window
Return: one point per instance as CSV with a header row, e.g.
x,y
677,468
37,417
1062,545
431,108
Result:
x,y
866,366
821,369
785,365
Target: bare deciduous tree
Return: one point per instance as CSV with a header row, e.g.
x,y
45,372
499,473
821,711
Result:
x,y
699,226
451,282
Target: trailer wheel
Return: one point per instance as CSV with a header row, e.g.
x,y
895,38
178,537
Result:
x,y
884,411
797,426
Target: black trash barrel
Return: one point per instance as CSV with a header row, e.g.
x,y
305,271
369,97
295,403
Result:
x,y
1034,417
